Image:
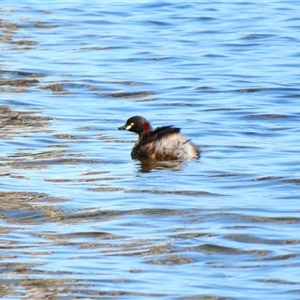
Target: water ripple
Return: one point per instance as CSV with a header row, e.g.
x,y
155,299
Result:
x,y
80,218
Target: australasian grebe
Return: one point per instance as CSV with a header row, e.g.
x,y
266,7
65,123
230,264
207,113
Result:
x,y
163,143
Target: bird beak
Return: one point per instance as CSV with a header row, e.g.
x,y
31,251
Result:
x,y
124,127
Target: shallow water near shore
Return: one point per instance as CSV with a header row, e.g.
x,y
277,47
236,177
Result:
x,y
80,219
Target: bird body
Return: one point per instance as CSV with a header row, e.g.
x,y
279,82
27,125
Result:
x,y
162,144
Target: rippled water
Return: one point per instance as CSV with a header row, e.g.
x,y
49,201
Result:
x,y
81,219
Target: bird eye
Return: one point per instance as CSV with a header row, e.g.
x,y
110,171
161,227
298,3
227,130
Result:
x,y
129,126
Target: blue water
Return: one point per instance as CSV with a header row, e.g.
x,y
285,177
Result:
x,y
81,219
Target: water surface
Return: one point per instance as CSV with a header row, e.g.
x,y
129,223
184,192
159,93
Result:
x,y
81,219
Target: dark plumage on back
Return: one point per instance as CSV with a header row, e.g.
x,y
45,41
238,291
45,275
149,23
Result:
x,y
159,133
